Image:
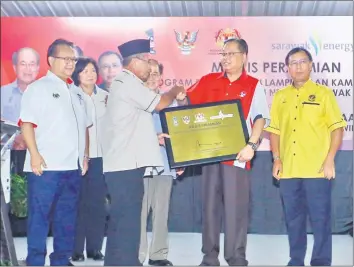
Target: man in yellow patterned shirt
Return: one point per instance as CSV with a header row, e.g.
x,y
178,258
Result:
x,y
306,132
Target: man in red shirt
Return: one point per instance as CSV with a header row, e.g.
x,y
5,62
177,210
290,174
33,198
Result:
x,y
226,185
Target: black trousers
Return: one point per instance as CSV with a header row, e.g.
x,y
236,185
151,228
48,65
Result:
x,y
126,189
91,218
225,194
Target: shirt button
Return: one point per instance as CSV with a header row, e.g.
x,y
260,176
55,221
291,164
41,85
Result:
x,y
294,154
294,142
297,95
227,93
294,118
296,107
294,130
230,84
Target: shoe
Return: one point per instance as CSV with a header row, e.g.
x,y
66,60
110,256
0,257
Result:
x,y
160,263
95,255
70,264
78,257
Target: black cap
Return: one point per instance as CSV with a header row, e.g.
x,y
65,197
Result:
x,y
134,47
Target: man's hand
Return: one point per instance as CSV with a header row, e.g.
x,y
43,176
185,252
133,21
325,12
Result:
x,y
19,143
181,96
85,167
277,168
328,168
161,137
180,171
246,154
37,162
178,90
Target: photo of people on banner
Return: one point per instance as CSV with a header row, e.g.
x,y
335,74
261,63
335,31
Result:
x,y
184,47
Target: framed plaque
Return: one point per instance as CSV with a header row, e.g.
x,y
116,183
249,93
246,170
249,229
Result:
x,y
205,133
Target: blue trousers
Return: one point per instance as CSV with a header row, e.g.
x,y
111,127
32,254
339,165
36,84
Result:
x,y
52,199
302,197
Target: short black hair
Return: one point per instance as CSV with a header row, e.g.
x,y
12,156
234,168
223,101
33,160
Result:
x,y
108,53
52,49
80,66
297,50
242,44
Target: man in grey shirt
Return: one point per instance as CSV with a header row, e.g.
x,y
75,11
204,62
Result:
x,y
129,146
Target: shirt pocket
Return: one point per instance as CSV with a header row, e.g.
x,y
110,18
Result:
x,y
312,111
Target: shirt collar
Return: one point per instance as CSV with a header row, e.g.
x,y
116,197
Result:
x,y
130,73
241,78
306,84
15,88
51,75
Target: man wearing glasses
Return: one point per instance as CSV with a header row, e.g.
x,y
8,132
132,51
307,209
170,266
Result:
x,y
306,132
129,146
157,188
110,64
226,186
54,123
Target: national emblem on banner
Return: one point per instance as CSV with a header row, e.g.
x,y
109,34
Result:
x,y
150,34
226,34
186,41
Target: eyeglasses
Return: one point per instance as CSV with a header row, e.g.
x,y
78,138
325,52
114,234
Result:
x,y
25,65
230,54
68,59
301,63
154,75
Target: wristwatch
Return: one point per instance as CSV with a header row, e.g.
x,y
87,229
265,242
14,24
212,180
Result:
x,y
253,145
276,158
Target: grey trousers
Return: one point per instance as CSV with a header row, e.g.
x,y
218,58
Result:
x,y
157,193
225,194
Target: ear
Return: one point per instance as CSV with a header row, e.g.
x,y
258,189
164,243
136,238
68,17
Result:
x,y
310,67
51,61
244,59
14,67
161,81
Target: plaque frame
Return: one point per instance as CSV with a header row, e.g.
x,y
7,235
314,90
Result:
x,y
168,146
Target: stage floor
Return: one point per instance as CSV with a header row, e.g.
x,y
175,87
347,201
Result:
x,y
185,249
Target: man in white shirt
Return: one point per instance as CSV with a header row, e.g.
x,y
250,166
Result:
x,y
54,123
129,145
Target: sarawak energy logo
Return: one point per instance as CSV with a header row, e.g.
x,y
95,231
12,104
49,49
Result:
x,y
315,45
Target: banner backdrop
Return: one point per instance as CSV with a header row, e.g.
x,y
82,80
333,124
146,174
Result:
x,y
189,47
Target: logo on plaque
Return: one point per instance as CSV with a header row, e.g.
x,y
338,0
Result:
x,y
186,119
199,118
175,121
221,116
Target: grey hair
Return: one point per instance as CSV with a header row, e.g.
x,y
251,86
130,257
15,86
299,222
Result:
x,y
128,60
16,53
